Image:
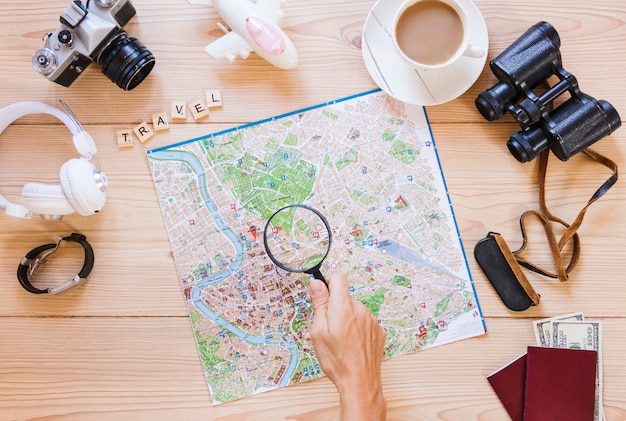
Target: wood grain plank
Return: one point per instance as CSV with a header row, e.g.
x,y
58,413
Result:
x,y
121,346
140,368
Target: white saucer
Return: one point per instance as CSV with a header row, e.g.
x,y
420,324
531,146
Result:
x,y
400,80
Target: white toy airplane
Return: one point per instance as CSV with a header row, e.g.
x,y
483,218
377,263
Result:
x,y
251,26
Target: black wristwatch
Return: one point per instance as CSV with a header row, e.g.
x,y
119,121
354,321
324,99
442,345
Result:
x,y
35,258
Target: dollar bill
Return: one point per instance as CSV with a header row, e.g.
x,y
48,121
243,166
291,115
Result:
x,y
578,334
543,327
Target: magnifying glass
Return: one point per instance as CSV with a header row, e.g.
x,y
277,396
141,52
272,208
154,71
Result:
x,y
297,238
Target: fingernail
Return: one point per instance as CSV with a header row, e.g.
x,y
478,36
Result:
x,y
316,286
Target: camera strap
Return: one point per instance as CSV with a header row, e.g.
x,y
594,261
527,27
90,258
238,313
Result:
x,y
503,266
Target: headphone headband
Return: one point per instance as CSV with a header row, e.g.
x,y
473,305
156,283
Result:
x,y
83,142
12,112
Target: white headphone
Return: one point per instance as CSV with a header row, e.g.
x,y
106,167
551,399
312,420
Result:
x,y
83,185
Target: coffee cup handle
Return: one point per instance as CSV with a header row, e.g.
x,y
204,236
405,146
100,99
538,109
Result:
x,y
473,51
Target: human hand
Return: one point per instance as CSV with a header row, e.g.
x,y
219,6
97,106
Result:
x,y
349,344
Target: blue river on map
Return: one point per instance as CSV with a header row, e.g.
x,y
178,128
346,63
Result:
x,y
268,338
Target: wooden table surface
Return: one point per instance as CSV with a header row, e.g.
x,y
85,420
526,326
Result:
x,y
121,346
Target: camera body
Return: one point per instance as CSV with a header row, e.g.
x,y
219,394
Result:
x,y
521,69
93,32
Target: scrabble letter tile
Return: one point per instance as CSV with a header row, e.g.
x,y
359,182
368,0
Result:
x,y
124,138
199,110
143,132
159,121
214,98
179,111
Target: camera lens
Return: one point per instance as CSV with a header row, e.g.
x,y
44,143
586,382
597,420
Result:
x,y
126,61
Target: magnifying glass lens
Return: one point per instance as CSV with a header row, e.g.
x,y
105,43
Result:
x,y
297,238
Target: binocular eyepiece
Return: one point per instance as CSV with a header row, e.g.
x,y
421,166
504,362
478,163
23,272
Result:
x,y
523,67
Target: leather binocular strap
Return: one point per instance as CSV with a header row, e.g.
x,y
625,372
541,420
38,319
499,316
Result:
x,y
547,218
515,268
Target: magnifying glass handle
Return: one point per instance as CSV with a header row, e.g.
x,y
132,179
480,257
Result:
x,y
318,275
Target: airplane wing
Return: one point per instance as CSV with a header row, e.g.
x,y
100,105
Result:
x,y
228,46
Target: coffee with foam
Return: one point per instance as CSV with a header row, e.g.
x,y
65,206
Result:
x,y
429,32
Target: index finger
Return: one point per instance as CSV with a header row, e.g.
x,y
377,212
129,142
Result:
x,y
338,288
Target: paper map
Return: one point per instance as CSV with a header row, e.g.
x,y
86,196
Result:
x,y
370,165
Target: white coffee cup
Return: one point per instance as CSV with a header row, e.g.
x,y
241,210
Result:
x,y
433,34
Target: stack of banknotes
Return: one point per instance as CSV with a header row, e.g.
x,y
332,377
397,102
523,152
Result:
x,y
574,332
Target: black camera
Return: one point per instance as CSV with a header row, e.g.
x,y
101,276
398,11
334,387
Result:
x,y
94,33
523,68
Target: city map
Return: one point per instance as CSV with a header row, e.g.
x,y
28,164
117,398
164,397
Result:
x,y
369,164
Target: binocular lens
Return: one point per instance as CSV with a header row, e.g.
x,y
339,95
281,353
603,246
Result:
x,y
525,146
126,61
493,103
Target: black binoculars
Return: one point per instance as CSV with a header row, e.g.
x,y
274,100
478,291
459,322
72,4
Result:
x,y
525,66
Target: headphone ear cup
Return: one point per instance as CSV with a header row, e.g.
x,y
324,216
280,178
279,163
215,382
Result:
x,y
80,186
45,199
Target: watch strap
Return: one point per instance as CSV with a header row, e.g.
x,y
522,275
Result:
x,y
35,258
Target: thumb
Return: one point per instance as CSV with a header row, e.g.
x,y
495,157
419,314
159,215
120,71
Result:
x,y
319,295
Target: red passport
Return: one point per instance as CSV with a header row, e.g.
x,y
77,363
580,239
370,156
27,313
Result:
x,y
509,383
560,384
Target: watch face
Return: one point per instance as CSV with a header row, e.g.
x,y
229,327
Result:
x,y
105,3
